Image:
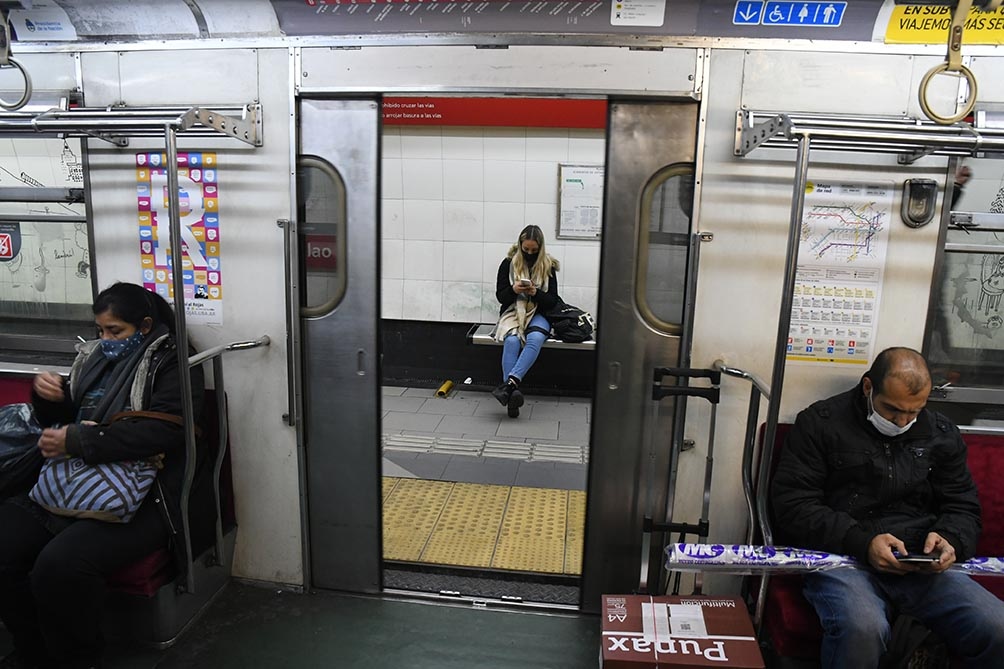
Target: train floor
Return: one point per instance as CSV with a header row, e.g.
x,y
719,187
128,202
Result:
x,y
250,626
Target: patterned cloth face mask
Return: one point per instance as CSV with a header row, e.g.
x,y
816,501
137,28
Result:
x,y
115,349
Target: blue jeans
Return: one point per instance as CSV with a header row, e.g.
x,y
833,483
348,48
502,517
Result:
x,y
855,606
516,362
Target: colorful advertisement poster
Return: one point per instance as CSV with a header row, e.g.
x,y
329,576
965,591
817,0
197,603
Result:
x,y
200,232
838,285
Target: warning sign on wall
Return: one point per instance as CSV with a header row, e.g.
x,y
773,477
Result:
x,y
928,24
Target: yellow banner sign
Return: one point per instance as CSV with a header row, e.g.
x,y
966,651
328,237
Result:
x,y
929,24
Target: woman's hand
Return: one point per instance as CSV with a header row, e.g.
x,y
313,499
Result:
x,y
524,288
49,386
52,443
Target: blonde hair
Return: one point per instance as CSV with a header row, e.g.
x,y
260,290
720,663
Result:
x,y
545,263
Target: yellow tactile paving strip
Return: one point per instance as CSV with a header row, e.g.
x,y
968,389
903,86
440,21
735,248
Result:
x,y
483,526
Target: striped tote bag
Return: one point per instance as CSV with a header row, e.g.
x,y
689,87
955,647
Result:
x,y
111,492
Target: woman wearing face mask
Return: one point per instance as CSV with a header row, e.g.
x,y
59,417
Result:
x,y
526,287
53,568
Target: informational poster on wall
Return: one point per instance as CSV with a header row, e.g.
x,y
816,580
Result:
x,y
580,201
200,232
838,285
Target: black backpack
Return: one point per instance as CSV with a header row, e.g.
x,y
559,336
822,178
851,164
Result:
x,y
570,324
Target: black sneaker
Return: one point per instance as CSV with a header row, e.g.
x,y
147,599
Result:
x,y
515,402
502,393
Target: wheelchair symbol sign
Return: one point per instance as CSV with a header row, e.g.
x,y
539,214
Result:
x,y
816,14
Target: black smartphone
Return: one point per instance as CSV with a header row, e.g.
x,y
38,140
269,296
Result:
x,y
918,557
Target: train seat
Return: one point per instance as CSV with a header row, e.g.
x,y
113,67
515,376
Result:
x,y
790,621
146,603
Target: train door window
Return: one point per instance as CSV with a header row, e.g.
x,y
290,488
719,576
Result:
x,y
667,203
965,333
321,226
46,278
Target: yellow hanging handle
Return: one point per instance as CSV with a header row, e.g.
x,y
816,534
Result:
x,y
953,65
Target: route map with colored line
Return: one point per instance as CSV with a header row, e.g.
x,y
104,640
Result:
x,y
838,286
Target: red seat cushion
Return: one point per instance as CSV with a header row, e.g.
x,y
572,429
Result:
x,y
145,576
790,620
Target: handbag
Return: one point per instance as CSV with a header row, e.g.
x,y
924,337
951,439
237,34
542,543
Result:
x,y
111,491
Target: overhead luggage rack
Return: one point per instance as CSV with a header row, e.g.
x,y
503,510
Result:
x,y
908,137
118,124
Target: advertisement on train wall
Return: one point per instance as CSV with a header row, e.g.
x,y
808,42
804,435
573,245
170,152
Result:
x,y
838,285
200,232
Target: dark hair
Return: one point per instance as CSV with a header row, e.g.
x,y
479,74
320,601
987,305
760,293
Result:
x,y
902,363
131,303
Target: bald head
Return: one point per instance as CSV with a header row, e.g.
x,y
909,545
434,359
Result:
x,y
904,365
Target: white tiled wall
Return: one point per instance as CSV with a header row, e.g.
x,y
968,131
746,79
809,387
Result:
x,y
454,201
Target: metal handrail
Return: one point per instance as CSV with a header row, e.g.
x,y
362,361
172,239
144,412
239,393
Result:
x,y
215,354
756,504
757,389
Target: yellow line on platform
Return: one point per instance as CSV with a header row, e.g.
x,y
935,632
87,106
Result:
x,y
487,526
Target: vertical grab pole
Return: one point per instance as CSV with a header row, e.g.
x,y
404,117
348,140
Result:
x,y
780,355
221,452
181,337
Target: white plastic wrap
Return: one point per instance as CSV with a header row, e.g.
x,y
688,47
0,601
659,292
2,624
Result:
x,y
744,559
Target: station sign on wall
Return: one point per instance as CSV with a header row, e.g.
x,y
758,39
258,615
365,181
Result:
x,y
495,112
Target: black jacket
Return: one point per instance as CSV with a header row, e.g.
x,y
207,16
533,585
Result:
x,y
840,482
545,300
140,438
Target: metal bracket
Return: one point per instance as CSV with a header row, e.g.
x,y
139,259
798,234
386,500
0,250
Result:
x,y
749,137
247,129
706,236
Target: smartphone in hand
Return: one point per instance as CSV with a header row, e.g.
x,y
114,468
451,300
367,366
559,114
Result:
x,y
525,283
920,558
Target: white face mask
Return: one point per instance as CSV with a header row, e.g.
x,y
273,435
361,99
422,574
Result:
x,y
884,425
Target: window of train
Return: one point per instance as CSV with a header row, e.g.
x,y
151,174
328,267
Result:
x,y
46,275
321,226
667,203
965,332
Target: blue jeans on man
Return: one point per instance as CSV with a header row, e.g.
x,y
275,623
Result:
x,y
855,605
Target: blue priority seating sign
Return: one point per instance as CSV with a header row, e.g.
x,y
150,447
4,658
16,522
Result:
x,y
814,14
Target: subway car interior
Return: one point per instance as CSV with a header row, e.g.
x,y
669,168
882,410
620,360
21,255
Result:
x,y
742,202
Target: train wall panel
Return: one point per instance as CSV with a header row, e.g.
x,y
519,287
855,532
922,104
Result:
x,y
253,194
746,203
516,68
813,82
989,80
48,71
140,78
100,76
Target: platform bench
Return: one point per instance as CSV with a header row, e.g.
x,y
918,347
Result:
x,y
482,334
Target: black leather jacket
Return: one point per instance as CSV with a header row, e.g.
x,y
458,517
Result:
x,y
840,482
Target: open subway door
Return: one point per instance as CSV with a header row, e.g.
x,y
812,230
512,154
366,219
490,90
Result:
x,y
338,253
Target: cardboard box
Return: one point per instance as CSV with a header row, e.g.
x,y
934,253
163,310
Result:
x,y
642,632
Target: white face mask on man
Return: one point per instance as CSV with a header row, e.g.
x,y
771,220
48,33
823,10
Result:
x,y
884,425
